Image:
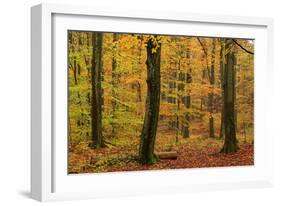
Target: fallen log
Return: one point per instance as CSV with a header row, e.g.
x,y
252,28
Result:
x,y
173,155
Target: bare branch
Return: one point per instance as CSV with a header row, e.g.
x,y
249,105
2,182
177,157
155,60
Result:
x,y
246,50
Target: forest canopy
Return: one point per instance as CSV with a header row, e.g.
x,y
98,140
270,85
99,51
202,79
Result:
x,y
139,101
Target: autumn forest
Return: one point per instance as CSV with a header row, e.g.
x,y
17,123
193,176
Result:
x,y
150,102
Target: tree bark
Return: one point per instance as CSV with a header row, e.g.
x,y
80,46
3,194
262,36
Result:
x,y
230,142
148,135
96,74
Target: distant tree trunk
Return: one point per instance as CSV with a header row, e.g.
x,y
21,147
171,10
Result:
x,y
202,98
230,142
178,101
75,70
138,88
87,59
244,123
187,99
204,70
185,128
114,82
211,95
235,94
221,135
222,64
96,110
72,48
171,99
79,69
148,135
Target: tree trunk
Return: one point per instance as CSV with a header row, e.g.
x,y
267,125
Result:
x,y
244,123
204,70
211,95
114,82
75,70
96,110
79,70
221,135
185,128
178,101
149,130
72,48
187,99
230,142
202,98
222,64
138,88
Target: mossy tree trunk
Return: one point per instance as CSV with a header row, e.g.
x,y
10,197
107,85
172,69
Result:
x,y
230,141
148,135
96,75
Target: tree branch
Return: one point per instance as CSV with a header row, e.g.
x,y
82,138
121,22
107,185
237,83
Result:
x,y
249,52
203,47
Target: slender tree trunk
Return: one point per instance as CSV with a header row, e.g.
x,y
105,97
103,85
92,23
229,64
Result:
x,y
96,110
87,59
178,121
187,99
185,128
235,94
244,131
79,69
211,95
222,64
202,99
230,142
75,70
221,135
178,101
149,130
244,123
204,70
138,88
72,48
114,83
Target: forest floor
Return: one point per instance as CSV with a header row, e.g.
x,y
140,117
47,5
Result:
x,y
193,152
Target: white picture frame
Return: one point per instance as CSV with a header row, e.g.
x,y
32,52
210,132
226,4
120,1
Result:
x,y
49,178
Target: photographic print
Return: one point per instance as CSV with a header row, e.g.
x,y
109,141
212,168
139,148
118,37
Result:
x,y
151,102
